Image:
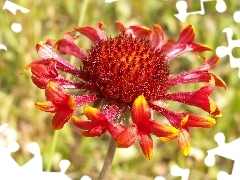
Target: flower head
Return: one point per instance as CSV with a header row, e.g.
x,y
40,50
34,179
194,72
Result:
x,y
127,73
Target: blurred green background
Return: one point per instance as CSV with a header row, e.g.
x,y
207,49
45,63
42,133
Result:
x,y
50,19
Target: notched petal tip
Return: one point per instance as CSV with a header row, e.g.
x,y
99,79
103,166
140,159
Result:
x,y
184,142
187,35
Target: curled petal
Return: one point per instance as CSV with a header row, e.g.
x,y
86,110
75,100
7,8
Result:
x,y
160,129
173,117
178,49
200,74
94,114
157,37
127,137
94,34
187,35
184,141
82,124
115,129
120,26
135,31
46,51
61,116
67,46
199,121
47,106
138,31
141,112
56,94
197,98
146,144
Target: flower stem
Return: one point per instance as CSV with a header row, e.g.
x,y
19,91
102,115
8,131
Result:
x,y
108,160
52,150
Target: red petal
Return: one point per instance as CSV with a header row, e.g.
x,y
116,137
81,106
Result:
x,y
81,100
46,51
47,106
146,144
61,117
199,121
139,31
96,131
157,37
115,129
56,94
141,113
160,129
110,112
173,117
197,98
120,26
94,114
94,34
178,49
67,46
82,124
184,142
127,137
187,35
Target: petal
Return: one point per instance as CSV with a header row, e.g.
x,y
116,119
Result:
x,y
46,51
110,112
47,106
120,26
94,114
67,46
56,94
157,37
199,121
115,129
146,144
127,137
197,98
82,124
61,117
84,99
187,35
178,49
173,117
94,34
138,31
96,131
200,74
141,112
184,141
160,129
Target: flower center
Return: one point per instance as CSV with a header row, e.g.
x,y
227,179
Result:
x,y
122,68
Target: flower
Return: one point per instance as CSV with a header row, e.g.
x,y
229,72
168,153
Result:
x,y
128,78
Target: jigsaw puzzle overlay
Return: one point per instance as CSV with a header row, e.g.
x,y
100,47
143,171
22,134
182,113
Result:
x,y
220,7
16,27
33,169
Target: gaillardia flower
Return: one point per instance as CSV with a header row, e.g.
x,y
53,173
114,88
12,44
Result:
x,y
126,79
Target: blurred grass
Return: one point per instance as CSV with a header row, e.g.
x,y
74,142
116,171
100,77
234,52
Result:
x,y
50,19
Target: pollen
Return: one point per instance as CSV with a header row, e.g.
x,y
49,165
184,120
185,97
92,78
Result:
x,y
124,67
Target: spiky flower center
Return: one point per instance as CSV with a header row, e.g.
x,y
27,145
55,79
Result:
x,y
122,68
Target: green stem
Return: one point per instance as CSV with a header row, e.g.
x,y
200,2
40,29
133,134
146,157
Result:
x,y
108,160
52,150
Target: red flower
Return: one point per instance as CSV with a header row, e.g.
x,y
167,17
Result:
x,y
61,103
128,72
